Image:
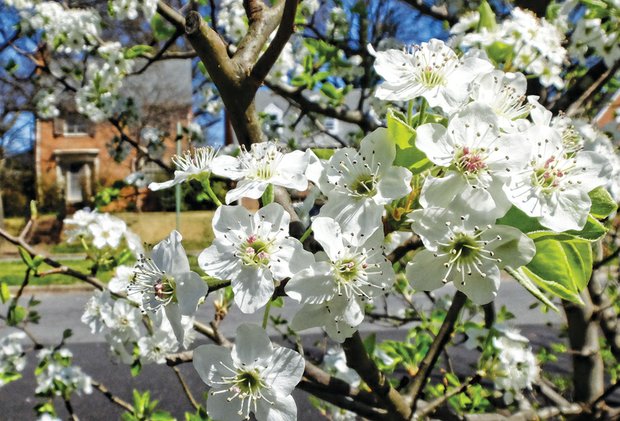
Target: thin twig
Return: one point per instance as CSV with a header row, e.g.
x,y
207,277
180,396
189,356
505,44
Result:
x,y
185,387
111,397
440,341
69,408
434,405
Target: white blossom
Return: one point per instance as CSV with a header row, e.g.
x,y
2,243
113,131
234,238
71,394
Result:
x,y
58,376
480,160
254,377
431,70
253,250
165,280
516,367
107,230
356,274
363,182
12,355
262,165
554,185
193,163
129,9
459,250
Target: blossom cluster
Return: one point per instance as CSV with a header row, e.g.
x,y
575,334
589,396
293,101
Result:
x,y
491,157
597,31
99,97
56,375
129,9
103,230
12,356
67,30
535,44
511,363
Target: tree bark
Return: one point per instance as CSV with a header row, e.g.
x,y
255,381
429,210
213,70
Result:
x,y
583,335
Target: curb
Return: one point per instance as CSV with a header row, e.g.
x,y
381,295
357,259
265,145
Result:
x,y
52,289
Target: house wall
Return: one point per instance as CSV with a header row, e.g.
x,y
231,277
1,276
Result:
x,y
106,170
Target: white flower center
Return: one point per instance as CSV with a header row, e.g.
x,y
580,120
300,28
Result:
x,y
509,103
432,67
351,275
255,252
195,160
246,384
357,176
470,161
154,284
467,253
261,166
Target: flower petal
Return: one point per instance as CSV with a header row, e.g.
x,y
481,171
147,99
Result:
x,y
209,362
190,288
313,285
251,344
283,408
169,255
426,272
253,189
253,288
285,370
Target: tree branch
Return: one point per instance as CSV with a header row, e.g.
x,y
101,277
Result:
x,y
171,15
440,341
358,359
269,57
575,92
185,387
341,112
342,401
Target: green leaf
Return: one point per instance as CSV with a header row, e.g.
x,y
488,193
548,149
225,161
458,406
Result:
x,y
27,259
602,203
403,137
323,153
136,367
515,217
563,262
37,261
592,231
16,315
487,17
331,91
138,50
5,294
8,377
554,288
499,52
162,30
526,282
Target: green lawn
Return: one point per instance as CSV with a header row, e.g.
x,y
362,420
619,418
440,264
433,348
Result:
x,y
151,226
13,272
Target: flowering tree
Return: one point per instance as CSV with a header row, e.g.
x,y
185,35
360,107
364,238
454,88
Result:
x,y
461,172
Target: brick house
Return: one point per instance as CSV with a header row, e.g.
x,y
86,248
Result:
x,y
72,158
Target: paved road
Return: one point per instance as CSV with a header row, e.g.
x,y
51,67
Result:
x,y
62,310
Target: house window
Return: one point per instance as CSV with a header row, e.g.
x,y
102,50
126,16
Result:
x,y
75,124
331,125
